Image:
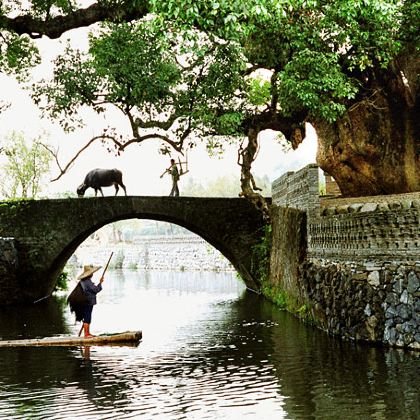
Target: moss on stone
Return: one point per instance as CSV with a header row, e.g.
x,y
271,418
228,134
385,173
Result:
x,y
286,301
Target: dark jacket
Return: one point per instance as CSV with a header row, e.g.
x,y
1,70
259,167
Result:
x,y
90,289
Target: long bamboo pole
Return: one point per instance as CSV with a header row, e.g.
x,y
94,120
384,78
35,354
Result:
x,y
107,264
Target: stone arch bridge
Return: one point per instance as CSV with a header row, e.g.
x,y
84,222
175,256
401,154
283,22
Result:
x,y
45,233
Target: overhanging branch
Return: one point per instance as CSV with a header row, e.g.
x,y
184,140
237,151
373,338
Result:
x,y
293,128
119,145
70,163
54,27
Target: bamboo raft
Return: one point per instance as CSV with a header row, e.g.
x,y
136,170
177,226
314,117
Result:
x,y
128,337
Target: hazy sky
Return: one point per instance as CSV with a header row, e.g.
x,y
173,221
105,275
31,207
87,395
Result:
x,y
141,165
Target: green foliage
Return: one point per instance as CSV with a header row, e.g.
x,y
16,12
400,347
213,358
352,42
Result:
x,y
284,300
322,51
41,9
322,189
279,297
261,269
18,55
221,17
410,24
136,62
229,124
62,281
118,260
25,165
132,266
188,62
222,186
355,30
158,78
259,91
313,47
238,276
314,81
303,311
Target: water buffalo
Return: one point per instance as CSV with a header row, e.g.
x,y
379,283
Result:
x,y
98,178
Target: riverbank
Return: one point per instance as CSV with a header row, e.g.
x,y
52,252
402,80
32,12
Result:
x,y
179,253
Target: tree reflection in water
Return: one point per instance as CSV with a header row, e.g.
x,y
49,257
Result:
x,y
209,350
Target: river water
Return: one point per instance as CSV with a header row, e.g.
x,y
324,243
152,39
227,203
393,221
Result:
x,y
210,350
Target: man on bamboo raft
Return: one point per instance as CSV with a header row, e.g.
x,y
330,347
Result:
x,y
82,305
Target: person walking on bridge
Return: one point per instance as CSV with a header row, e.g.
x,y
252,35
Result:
x,y
173,171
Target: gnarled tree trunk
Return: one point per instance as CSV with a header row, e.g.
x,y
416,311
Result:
x,y
246,156
375,148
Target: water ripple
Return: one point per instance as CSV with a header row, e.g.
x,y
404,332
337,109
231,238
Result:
x,y
212,355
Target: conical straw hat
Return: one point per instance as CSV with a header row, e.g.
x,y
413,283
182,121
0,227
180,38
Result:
x,y
88,270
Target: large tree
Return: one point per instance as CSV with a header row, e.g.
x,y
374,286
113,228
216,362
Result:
x,y
351,69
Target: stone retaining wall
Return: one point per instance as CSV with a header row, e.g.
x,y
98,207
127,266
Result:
x,y
393,200
376,302
390,234
357,273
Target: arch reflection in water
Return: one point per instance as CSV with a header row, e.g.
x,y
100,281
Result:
x,y
210,350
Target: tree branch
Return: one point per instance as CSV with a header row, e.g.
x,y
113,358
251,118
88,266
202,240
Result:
x,y
119,145
93,139
293,128
175,145
53,153
54,27
246,156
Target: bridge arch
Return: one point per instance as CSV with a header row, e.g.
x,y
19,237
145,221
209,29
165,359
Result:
x,y
47,232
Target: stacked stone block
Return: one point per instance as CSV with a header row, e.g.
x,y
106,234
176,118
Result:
x,y
298,190
372,301
189,253
374,234
361,271
331,187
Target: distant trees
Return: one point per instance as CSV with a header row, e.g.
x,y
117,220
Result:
x,y
131,230
23,166
222,186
